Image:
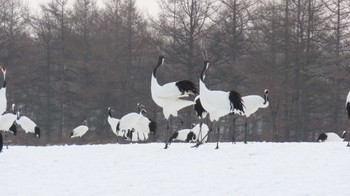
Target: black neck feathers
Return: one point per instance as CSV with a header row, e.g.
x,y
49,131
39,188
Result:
x,y
160,62
205,67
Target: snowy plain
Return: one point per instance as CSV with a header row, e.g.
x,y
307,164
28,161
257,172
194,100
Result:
x,y
148,169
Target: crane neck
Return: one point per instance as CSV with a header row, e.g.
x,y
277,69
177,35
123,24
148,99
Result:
x,y
205,67
160,62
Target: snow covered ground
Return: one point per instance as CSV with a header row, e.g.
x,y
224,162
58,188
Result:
x,y
148,169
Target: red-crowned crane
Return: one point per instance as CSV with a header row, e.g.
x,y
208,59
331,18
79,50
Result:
x,y
113,122
218,103
185,135
136,126
198,132
251,104
28,125
168,96
330,137
80,130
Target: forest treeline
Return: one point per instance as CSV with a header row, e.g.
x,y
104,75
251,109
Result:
x,y
72,60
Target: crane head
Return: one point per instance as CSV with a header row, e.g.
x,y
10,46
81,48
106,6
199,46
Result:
x,y
161,60
4,69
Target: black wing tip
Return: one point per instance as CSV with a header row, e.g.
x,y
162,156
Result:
x,y
187,86
153,126
199,108
236,100
13,129
322,137
37,132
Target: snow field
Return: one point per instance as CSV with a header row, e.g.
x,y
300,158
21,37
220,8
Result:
x,y
148,169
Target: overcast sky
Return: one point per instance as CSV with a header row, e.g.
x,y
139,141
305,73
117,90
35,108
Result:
x,y
146,6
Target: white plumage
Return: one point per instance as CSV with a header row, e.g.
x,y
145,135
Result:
x,y
3,99
28,125
136,126
253,102
185,135
347,104
201,132
191,135
218,103
330,137
7,121
80,130
168,96
113,122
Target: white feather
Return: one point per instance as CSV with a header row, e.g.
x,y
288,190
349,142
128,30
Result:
x,y
333,137
79,131
6,121
216,103
347,99
3,99
113,122
168,97
182,134
252,103
138,123
27,124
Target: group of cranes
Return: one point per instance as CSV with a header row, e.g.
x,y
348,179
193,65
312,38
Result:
x,y
9,120
216,103
132,126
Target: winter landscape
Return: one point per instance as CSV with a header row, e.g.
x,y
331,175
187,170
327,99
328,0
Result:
x,y
96,94
148,169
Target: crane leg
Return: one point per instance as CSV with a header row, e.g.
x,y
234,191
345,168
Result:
x,y
199,142
217,138
167,134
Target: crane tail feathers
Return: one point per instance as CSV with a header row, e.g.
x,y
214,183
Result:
x,y
198,107
348,108
37,132
322,137
13,128
152,126
191,136
187,87
236,101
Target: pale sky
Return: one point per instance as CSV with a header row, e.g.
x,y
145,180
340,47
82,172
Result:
x,y
145,6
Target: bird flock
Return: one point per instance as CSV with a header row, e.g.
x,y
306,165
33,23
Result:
x,y
9,120
171,97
